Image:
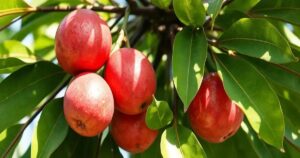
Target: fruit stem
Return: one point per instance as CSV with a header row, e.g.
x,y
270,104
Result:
x,y
38,111
124,26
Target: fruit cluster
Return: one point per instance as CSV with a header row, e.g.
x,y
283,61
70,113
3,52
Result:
x,y
91,103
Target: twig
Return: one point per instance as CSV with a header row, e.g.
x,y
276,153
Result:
x,y
116,21
48,99
140,31
99,145
148,11
15,20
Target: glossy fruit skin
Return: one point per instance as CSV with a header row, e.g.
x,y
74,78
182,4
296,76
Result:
x,y
132,80
82,42
88,104
213,116
131,133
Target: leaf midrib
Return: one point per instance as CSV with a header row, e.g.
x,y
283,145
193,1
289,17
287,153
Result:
x,y
254,40
188,71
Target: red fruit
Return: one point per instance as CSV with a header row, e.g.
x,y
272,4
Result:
x,y
82,42
88,104
132,80
131,133
213,116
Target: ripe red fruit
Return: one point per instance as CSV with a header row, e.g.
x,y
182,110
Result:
x,y
132,80
131,133
213,116
88,104
82,42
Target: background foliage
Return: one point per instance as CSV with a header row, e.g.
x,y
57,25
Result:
x,y
254,45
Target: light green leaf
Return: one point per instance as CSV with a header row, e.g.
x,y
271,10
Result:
x,y
269,44
8,5
247,87
28,88
180,142
51,130
188,60
7,136
15,49
284,10
162,4
158,114
214,7
190,12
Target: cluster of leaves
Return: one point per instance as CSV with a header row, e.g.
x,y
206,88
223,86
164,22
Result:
x,y
254,45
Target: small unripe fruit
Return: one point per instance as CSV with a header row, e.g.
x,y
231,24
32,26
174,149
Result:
x,y
131,133
213,116
88,104
82,42
132,80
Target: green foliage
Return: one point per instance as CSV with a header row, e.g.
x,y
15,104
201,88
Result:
x,y
178,141
254,46
189,55
51,130
241,80
158,114
190,12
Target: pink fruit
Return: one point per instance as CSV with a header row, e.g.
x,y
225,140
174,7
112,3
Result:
x,y
82,42
213,116
132,80
88,104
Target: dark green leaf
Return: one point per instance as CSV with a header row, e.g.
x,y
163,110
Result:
x,y
10,5
163,4
235,147
247,87
9,65
51,130
7,136
189,55
68,147
269,44
109,148
190,12
178,141
285,10
228,18
242,5
26,89
158,114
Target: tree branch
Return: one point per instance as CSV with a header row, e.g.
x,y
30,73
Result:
x,y
147,11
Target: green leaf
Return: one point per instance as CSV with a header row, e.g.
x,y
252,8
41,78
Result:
x,y
162,4
109,148
235,147
188,60
68,147
190,12
214,7
269,44
51,130
7,6
247,87
259,146
284,10
7,136
178,141
28,88
228,18
158,114
10,65
242,5
15,49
